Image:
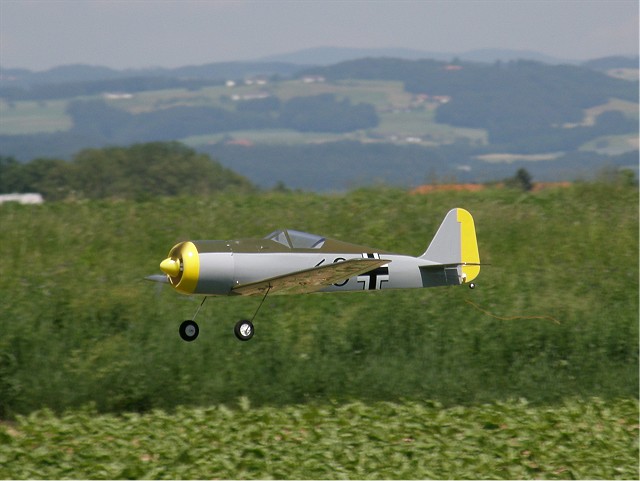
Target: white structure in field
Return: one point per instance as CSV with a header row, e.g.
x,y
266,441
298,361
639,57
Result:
x,y
31,198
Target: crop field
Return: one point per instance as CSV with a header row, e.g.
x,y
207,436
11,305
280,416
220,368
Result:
x,y
406,440
533,374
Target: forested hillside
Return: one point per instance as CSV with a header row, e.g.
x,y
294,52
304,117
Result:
x,y
523,105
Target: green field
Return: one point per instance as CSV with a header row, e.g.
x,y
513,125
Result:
x,y
31,117
407,440
554,320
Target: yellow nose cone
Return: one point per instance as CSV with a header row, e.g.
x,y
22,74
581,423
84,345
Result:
x,y
170,267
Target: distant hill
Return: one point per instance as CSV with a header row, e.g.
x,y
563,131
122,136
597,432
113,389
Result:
x,y
90,73
522,104
608,63
330,55
287,65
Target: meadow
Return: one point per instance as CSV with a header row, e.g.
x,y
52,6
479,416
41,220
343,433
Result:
x,y
551,330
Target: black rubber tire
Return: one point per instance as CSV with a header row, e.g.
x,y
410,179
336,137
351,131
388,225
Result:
x,y
244,330
189,331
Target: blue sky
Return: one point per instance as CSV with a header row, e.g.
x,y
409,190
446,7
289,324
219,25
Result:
x,y
39,34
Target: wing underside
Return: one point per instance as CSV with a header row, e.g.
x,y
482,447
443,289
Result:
x,y
310,280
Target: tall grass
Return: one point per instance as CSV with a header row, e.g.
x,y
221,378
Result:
x,y
555,314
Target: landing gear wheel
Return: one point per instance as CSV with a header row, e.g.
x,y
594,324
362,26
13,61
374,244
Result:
x,y
244,330
472,286
189,331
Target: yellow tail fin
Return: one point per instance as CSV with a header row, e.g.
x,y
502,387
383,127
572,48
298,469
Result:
x,y
469,246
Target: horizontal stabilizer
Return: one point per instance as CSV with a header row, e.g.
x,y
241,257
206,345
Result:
x,y
310,280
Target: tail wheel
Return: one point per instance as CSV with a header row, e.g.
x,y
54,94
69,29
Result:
x,y
189,331
244,330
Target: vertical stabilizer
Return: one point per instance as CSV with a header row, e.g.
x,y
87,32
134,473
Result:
x,y
455,244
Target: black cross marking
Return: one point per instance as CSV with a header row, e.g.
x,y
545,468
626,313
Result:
x,y
374,274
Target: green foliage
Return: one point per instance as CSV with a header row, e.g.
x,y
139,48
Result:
x,y
555,314
522,180
579,439
134,172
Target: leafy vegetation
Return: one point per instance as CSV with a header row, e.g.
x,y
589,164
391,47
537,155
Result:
x,y
408,440
555,315
126,173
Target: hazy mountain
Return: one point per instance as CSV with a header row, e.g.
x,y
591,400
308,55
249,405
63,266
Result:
x,y
288,64
331,55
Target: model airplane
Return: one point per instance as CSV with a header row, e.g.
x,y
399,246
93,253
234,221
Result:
x,y
293,262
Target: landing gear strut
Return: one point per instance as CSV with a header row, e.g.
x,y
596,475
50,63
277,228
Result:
x,y
243,329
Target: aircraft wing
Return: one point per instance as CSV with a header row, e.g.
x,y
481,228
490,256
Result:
x,y
310,280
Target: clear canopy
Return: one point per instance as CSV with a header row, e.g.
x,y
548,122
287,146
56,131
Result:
x,y
296,239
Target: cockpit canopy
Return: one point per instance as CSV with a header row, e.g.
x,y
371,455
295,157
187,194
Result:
x,y
296,240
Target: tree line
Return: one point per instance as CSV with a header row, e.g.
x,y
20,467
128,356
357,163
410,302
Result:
x,y
136,172
320,113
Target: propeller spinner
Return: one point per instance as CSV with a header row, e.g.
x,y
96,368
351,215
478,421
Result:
x,y
182,267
